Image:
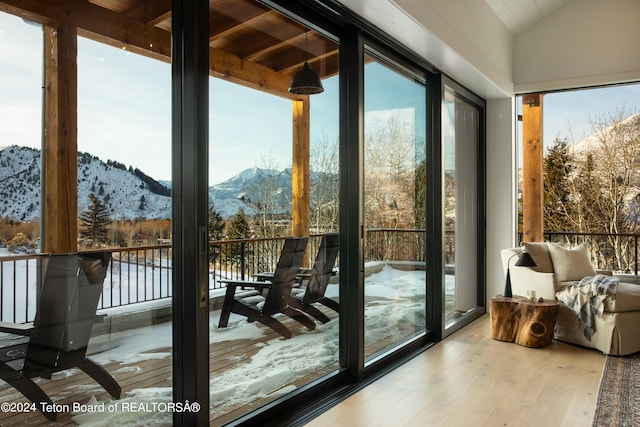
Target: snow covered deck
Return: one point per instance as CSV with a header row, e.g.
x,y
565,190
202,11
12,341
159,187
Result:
x,y
140,360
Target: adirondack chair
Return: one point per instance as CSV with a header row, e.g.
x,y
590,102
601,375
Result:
x,y
261,307
58,338
317,279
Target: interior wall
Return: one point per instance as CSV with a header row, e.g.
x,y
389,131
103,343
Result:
x,y
583,43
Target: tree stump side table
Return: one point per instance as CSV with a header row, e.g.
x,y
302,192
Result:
x,y
523,321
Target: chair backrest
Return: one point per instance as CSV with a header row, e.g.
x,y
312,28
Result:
x,y
66,309
322,268
285,274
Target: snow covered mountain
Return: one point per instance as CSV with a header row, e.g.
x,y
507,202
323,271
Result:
x,y
251,189
129,193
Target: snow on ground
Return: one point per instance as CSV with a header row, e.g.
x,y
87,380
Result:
x,y
393,309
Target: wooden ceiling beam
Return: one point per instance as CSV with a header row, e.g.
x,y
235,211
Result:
x,y
33,10
126,32
229,67
263,46
224,23
96,23
151,12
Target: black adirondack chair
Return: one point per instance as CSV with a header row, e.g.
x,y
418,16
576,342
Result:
x,y
261,307
317,279
58,338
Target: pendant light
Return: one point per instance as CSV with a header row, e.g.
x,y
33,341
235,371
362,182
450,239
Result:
x,y
306,81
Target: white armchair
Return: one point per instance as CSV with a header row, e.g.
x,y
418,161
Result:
x,y
616,329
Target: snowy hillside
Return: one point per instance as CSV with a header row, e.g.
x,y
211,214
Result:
x,y
251,188
128,194
614,134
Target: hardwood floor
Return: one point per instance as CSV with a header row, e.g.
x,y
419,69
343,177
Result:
x,y
471,379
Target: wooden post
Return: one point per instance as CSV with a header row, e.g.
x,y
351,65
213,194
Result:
x,y
532,178
59,154
300,170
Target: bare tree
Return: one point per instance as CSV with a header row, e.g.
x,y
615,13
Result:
x,y
605,182
324,185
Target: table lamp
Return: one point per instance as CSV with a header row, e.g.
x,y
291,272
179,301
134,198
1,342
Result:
x,y
525,260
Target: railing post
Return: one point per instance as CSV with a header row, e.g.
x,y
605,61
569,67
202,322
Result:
x,y
635,241
242,263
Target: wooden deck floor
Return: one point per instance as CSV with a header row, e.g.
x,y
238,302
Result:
x,y
71,386
74,386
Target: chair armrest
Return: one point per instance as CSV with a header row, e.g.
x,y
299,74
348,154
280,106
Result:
x,y
604,272
263,277
25,329
248,283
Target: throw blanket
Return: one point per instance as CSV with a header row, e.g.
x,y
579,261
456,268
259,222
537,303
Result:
x,y
588,298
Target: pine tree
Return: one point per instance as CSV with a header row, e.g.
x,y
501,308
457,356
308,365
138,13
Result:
x,y
239,227
216,229
216,224
94,221
558,209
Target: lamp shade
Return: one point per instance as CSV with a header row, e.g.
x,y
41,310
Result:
x,y
525,260
306,82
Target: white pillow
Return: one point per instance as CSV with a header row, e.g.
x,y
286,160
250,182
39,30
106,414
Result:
x,y
539,251
570,264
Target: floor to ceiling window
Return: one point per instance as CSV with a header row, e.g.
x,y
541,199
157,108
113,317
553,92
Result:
x,y
97,285
462,207
20,140
273,174
394,205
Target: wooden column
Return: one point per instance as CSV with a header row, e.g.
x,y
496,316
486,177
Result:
x,y
59,154
532,179
301,170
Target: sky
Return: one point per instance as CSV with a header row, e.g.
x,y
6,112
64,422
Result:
x,y
124,108
570,114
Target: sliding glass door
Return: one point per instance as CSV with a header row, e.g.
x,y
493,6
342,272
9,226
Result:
x,y
273,175
462,207
394,205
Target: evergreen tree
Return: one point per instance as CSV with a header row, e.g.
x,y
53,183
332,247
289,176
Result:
x,y
239,227
94,221
216,224
216,230
558,165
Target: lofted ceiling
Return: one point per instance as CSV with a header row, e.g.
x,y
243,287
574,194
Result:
x,y
249,43
518,15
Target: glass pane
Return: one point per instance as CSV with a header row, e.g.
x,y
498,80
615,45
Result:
x,y
20,143
461,136
107,309
273,172
394,185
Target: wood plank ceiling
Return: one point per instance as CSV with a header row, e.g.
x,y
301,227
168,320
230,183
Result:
x,y
249,43
518,15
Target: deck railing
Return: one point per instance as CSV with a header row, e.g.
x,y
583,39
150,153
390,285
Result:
x,y
139,274
143,274
616,252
